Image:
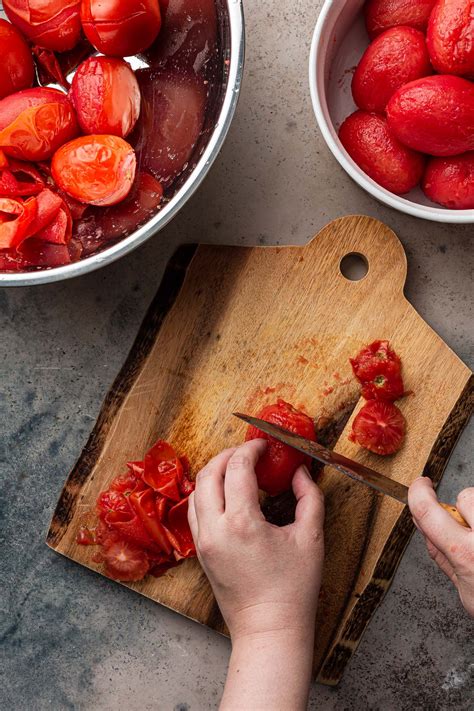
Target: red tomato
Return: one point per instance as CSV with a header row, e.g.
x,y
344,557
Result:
x,y
170,123
450,37
112,500
434,115
121,27
125,561
382,14
53,24
394,58
106,96
188,36
370,143
20,178
98,170
450,181
366,363
379,427
36,122
17,63
277,465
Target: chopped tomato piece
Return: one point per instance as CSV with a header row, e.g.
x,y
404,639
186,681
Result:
x,y
163,470
178,531
378,368
125,561
16,221
86,537
379,427
277,465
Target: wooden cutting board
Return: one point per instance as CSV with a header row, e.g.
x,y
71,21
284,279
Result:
x,y
233,328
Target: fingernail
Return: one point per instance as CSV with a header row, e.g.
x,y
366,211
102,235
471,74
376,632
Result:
x,y
306,471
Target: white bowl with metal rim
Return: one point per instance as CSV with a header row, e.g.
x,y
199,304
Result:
x,y
339,40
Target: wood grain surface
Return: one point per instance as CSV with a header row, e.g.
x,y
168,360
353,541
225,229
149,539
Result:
x,y
234,328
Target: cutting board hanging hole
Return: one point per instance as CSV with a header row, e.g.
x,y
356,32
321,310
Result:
x,y
354,266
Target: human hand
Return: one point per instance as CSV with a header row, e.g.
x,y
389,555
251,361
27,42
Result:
x,y
449,544
265,578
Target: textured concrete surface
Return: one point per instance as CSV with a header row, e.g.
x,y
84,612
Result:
x,y
73,640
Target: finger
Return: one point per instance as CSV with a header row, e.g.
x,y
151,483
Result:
x,y
465,505
441,561
433,521
240,485
309,514
209,492
192,518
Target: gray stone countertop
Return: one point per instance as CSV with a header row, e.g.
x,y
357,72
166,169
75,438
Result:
x,y
74,640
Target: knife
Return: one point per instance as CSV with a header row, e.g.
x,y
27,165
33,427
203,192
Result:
x,y
355,470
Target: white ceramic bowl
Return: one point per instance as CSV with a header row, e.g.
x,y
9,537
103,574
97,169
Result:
x,y
339,41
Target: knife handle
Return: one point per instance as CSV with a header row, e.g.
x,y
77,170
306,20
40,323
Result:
x,y
452,510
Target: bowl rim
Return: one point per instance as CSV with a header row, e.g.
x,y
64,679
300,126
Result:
x,y
164,216
321,112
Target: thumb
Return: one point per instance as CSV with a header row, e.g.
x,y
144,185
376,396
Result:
x,y
309,512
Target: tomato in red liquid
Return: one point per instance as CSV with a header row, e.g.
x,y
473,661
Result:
x,y
121,27
53,24
98,170
106,96
17,62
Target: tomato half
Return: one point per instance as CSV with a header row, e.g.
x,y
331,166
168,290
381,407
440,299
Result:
x,y
277,465
17,63
36,122
98,170
125,561
106,96
121,27
379,427
53,24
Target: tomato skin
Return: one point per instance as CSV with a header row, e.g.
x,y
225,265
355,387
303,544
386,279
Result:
x,y
106,96
52,24
380,15
450,37
277,465
434,115
98,170
395,57
34,123
17,62
119,27
450,181
372,145
170,123
379,427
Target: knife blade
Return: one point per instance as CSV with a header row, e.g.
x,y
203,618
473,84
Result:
x,y
354,470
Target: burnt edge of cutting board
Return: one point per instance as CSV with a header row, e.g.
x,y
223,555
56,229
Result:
x,y
334,666
168,290
173,277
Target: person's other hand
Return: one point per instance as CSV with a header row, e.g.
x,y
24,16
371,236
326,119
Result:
x,y
265,578
449,544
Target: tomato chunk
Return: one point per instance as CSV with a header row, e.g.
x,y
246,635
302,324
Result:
x,y
98,170
125,561
276,467
378,368
379,427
